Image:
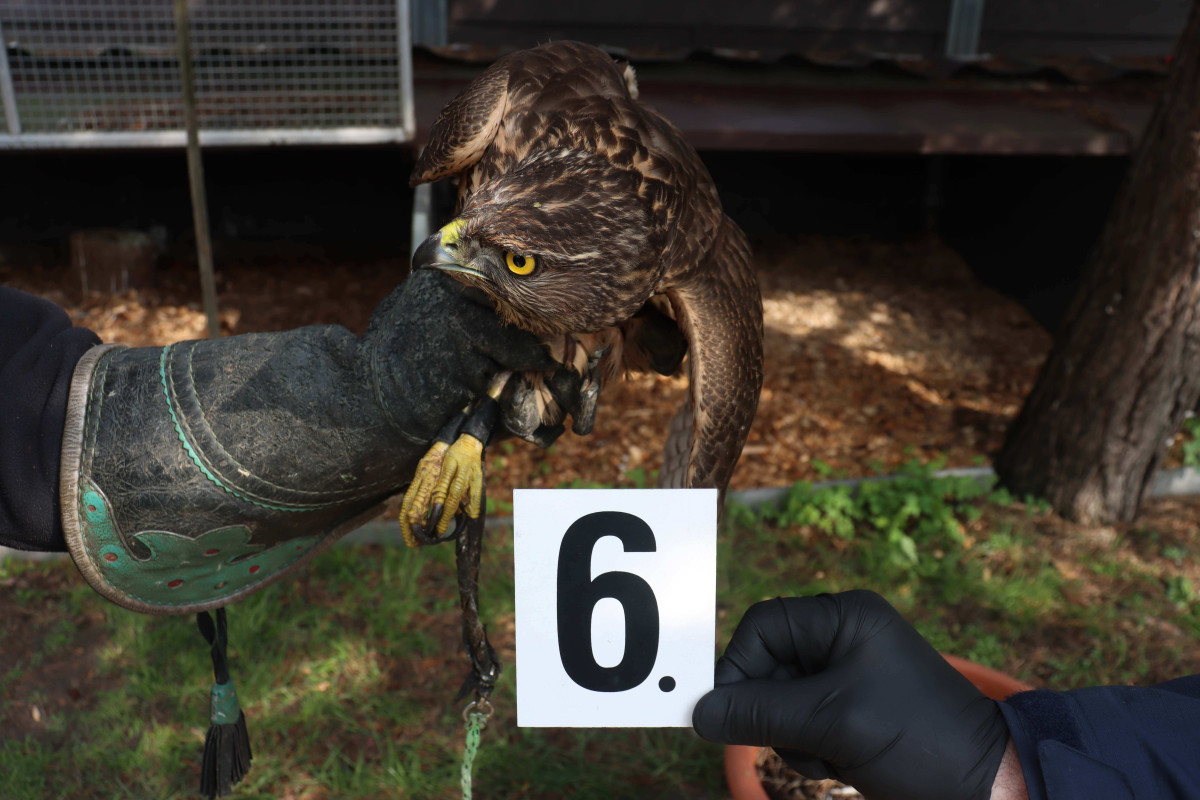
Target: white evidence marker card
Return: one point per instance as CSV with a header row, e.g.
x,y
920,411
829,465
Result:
x,y
615,605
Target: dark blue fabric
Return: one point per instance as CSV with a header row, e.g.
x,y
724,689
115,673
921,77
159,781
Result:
x,y
1111,741
39,349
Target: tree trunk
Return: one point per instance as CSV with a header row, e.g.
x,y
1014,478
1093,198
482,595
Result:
x,y
1125,366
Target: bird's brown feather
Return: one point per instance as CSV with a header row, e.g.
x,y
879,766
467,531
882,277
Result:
x,y
556,156
465,128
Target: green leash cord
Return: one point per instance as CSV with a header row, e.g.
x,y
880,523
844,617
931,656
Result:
x,y
476,716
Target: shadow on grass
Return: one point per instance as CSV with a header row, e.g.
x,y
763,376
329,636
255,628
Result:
x,y
347,675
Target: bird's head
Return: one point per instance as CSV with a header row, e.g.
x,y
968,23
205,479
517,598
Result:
x,y
561,243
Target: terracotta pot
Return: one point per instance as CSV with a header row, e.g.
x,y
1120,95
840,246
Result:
x,y
742,775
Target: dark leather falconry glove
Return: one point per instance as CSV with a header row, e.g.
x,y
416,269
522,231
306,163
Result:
x,y
843,687
196,473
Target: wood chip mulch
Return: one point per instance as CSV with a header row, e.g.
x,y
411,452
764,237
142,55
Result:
x,y
876,352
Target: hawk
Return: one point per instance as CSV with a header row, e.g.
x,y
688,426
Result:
x,y
587,219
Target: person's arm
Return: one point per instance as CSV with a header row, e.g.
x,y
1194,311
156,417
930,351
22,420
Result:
x,y
1010,780
194,473
38,352
1117,742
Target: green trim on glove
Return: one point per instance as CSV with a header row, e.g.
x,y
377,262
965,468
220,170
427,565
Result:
x,y
180,571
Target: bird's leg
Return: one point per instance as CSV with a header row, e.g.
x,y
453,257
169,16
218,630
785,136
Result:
x,y
450,476
461,478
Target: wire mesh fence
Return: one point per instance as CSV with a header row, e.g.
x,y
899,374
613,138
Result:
x,y
106,72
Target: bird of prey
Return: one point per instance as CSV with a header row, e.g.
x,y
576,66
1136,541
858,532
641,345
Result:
x,y
588,220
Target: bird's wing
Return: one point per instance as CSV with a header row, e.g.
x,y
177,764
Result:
x,y
465,127
719,309
527,92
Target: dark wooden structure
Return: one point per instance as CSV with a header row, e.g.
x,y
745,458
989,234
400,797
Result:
x,y
1012,28
886,76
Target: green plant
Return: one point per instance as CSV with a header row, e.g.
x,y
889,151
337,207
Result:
x,y
1180,591
1036,505
495,506
640,478
25,765
912,520
1191,442
1174,553
581,483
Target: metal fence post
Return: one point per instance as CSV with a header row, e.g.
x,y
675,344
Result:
x,y
408,119
963,29
208,287
8,94
429,22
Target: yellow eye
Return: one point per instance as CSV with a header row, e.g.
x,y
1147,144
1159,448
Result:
x,y
518,264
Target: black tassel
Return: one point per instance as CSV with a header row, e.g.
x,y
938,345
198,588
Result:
x,y
227,746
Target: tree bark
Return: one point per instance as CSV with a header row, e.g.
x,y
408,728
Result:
x,y
1124,369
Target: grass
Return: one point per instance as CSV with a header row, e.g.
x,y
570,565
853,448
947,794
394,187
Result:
x,y
347,672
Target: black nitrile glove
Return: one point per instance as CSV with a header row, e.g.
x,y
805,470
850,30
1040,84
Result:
x,y
843,687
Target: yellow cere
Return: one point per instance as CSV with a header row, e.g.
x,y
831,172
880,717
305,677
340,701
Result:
x,y
519,264
451,231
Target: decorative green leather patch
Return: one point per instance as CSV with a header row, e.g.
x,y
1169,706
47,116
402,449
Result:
x,y
179,570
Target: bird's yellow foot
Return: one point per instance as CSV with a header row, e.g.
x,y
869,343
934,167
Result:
x,y
461,482
450,476
415,506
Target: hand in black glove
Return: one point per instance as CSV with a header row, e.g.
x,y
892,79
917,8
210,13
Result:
x,y
843,687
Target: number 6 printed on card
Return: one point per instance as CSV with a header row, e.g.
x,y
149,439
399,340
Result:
x,y
578,594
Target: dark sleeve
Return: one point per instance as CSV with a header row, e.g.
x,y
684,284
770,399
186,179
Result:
x,y
38,352
1115,742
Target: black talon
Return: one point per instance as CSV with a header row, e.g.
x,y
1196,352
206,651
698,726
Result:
x,y
461,520
546,435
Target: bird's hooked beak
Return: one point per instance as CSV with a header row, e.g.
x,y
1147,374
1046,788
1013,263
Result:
x,y
439,251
